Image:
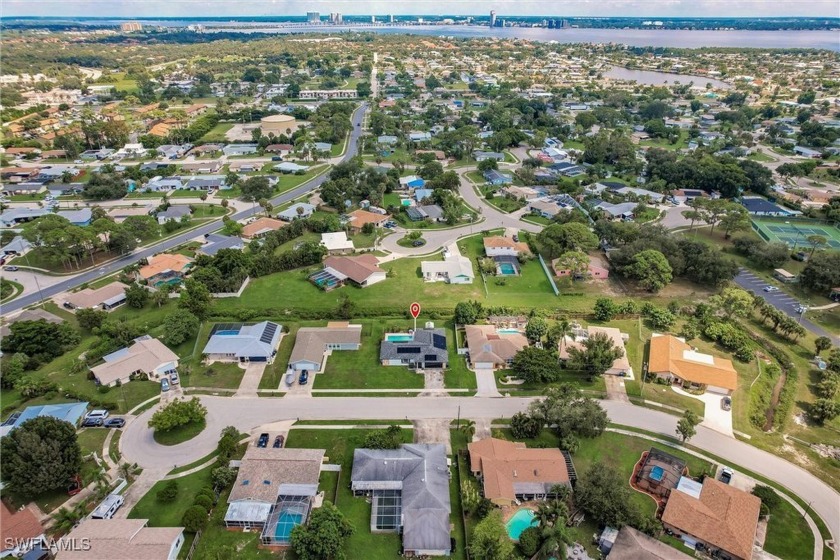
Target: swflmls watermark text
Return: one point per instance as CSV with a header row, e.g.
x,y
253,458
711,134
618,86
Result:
x,y
56,545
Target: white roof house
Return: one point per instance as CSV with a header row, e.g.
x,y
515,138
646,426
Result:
x,y
454,268
337,242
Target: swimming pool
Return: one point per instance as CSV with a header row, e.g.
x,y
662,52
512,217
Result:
x,y
507,331
399,337
520,521
507,269
657,473
287,521
227,333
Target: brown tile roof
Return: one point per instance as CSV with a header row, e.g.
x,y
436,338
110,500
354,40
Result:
x,y
163,262
362,217
21,524
724,516
29,315
672,355
264,469
499,242
91,298
145,354
614,334
486,344
358,269
121,539
503,464
311,342
635,545
261,225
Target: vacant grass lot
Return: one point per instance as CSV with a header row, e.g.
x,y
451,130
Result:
x,y
339,446
169,515
788,534
217,133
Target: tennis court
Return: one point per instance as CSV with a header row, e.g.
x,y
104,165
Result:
x,y
795,232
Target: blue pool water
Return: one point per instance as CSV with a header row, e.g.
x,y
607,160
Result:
x,y
520,521
657,473
507,269
399,337
285,523
507,331
227,333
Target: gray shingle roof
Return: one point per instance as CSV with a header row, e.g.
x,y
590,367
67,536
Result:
x,y
253,341
430,345
424,475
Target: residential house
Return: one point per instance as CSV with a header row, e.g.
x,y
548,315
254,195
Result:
x,y
170,151
621,211
483,156
362,271
281,150
420,136
511,473
631,544
65,189
412,182
206,149
492,348
721,518
290,167
507,322
421,349
498,246
620,366
314,344
496,178
274,491
244,167
409,491
119,214
673,360
260,227
687,195
422,194
387,140
206,183
520,193
337,243
122,539
174,212
80,217
567,169
17,246
20,531
243,343
18,174
15,216
34,314
453,269
547,208
240,149
145,356
807,152
210,166
359,218
32,187
107,297
165,268
322,147
596,269
300,210
71,413
215,242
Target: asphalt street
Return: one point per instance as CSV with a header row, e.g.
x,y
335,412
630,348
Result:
x,y
782,301
113,266
247,414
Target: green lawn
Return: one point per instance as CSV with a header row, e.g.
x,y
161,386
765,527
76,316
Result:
x,y
217,375
339,446
216,134
9,289
92,439
169,515
788,534
761,157
179,434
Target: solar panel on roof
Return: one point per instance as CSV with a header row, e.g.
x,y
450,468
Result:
x,y
439,341
268,333
408,350
429,358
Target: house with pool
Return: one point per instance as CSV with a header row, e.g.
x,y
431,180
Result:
x,y
511,473
408,489
505,253
421,349
490,347
243,343
275,491
165,268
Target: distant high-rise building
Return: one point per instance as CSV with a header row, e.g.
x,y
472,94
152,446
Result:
x,y
373,19
336,18
492,18
131,26
391,18
313,17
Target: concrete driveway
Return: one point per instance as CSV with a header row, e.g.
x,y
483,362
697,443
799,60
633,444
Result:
x,y
714,417
486,380
251,380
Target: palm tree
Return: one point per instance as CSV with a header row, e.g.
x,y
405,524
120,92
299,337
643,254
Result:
x,y
66,518
554,541
469,429
100,478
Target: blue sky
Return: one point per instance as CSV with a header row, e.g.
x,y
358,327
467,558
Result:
x,y
569,8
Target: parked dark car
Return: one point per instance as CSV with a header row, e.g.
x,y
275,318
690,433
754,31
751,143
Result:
x,y
726,475
92,423
726,403
278,441
263,441
304,377
75,486
277,158
114,423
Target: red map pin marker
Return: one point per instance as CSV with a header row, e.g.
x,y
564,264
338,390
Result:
x,y
414,309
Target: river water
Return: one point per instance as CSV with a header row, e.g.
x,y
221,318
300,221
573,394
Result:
x,y
656,78
634,37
